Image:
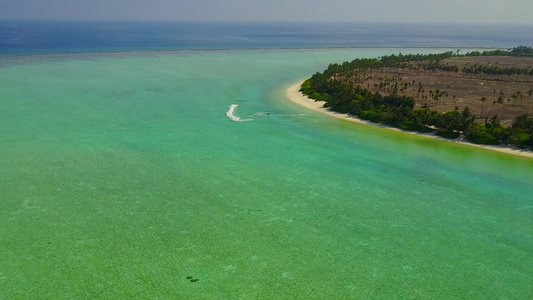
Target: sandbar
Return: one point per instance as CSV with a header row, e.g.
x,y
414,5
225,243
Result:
x,y
293,94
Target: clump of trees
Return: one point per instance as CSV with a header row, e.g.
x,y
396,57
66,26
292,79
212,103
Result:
x,y
493,133
493,69
516,51
347,96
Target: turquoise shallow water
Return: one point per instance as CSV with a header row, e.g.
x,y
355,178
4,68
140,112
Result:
x,y
121,176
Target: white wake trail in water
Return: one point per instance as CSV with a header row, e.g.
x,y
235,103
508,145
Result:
x,y
231,114
267,114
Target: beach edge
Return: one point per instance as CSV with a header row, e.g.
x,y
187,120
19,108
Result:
x,y
294,95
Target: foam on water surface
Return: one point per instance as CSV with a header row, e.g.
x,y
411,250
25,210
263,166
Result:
x,y
231,114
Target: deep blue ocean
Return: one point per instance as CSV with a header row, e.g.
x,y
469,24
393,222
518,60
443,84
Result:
x,y
23,37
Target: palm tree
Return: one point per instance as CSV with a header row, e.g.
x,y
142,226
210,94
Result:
x,y
500,101
483,99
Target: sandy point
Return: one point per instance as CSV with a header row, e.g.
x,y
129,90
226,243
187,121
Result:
x,y
293,94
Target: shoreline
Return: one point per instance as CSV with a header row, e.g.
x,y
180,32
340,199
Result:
x,y
142,51
294,95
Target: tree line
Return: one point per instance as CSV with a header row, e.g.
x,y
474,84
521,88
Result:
x,y
433,62
346,96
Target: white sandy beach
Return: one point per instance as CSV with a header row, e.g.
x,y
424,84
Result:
x,y
294,95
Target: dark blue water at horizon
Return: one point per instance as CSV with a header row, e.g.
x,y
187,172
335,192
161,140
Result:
x,y
37,37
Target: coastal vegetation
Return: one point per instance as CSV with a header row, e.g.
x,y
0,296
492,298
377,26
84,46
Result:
x,y
483,97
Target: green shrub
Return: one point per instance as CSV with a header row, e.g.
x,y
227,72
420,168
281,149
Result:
x,y
480,135
519,138
449,134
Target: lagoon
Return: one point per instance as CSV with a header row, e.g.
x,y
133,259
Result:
x,y
122,177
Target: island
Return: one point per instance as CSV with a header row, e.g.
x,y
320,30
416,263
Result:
x,y
483,98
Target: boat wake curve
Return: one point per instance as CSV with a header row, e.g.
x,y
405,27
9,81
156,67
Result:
x,y
231,114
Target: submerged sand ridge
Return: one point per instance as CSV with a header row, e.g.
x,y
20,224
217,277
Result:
x,y
293,94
